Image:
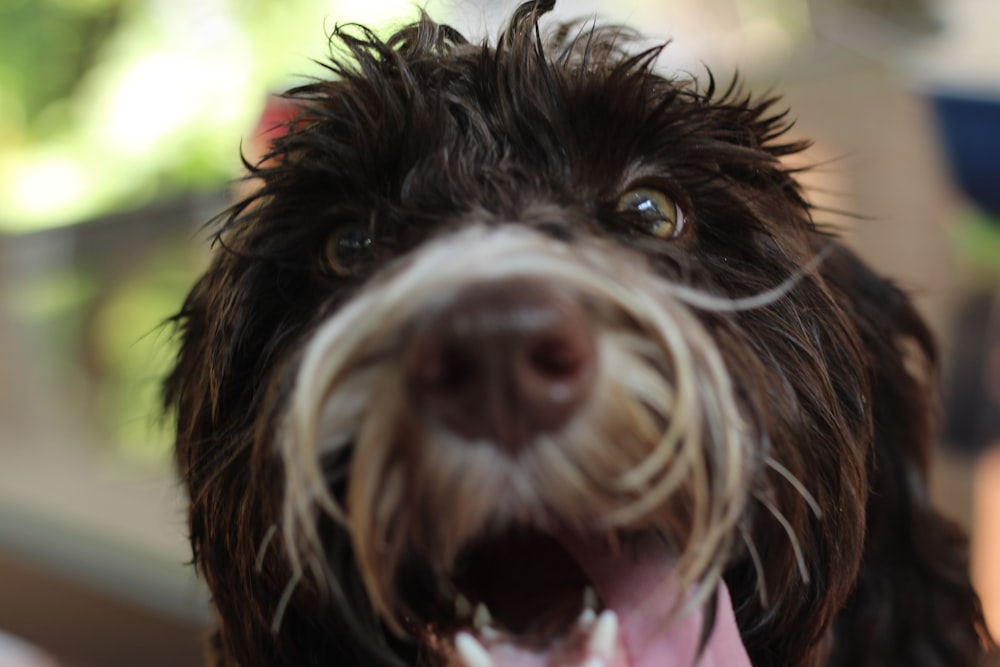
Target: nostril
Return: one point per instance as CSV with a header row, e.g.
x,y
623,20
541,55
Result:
x,y
556,358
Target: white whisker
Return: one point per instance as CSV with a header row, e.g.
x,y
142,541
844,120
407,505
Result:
x,y
758,565
796,547
286,596
262,549
796,483
718,304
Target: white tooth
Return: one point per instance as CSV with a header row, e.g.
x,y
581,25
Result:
x,y
605,635
587,617
589,598
489,633
594,661
463,608
482,617
471,651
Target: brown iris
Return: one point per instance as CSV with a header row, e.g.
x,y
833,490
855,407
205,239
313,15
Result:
x,y
655,213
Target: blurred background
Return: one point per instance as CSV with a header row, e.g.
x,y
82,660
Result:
x,y
121,125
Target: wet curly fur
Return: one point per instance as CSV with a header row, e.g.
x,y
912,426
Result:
x,y
423,134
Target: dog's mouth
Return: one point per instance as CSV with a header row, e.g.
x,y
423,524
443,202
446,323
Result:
x,y
526,583
525,598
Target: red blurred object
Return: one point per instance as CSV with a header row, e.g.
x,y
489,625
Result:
x,y
273,124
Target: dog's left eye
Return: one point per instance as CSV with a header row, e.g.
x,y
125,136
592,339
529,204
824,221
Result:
x,y
657,213
347,250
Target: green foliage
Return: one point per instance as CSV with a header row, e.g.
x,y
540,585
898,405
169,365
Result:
x,y
46,48
978,243
110,103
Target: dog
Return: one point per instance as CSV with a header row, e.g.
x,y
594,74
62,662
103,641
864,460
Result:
x,y
525,355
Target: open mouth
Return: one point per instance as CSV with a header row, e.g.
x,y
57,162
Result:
x,y
526,583
525,598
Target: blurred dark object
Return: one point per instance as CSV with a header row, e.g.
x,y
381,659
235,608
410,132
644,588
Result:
x,y
83,626
972,391
970,127
969,124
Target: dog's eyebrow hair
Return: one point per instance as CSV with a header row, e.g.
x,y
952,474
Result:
x,y
719,304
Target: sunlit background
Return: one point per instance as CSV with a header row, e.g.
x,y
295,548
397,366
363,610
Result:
x,y
121,125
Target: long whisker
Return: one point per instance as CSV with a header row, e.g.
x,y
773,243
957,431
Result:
x,y
758,565
286,596
796,546
796,483
712,303
264,545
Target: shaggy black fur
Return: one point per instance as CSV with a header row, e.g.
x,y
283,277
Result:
x,y
413,136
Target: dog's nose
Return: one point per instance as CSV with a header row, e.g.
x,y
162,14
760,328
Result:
x,y
504,362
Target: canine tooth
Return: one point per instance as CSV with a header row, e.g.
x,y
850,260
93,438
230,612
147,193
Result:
x,y
602,640
594,661
463,608
482,617
587,617
471,651
589,598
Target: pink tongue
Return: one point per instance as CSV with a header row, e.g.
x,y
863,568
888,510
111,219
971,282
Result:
x,y
638,584
639,588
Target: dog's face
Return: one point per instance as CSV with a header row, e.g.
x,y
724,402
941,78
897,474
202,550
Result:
x,y
532,329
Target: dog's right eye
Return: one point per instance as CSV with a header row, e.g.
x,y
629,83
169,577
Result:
x,y
348,250
657,213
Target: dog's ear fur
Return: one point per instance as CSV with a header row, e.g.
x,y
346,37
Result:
x,y
216,456
909,545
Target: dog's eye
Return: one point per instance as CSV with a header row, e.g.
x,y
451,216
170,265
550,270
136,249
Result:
x,y
656,213
347,250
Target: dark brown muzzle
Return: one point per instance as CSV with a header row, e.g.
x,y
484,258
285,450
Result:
x,y
504,362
